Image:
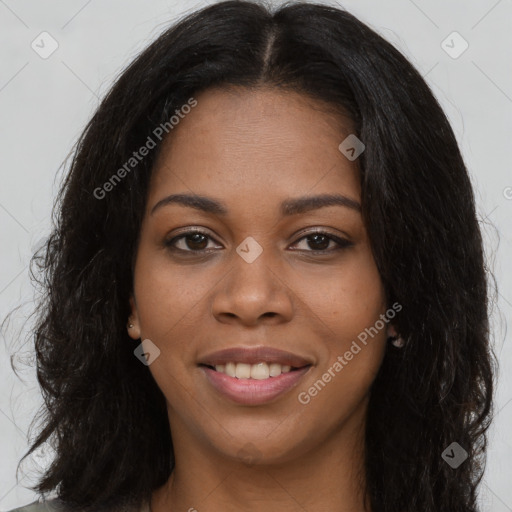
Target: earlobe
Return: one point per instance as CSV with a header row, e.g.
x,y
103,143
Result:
x,y
394,337
133,320
392,332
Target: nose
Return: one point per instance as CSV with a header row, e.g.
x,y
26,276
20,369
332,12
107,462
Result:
x,y
252,293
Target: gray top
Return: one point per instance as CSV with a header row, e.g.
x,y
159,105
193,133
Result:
x,y
52,506
39,506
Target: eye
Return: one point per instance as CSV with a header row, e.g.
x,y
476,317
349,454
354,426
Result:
x,y
196,241
319,241
192,241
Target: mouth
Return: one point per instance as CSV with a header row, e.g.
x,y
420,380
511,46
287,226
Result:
x,y
253,376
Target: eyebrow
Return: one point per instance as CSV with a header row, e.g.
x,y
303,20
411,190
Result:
x,y
288,207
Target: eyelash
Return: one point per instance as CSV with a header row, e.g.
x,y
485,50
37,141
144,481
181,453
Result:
x,y
342,243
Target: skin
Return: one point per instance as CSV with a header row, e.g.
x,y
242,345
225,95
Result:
x,y
252,149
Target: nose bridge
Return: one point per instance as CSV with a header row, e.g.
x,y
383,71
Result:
x,y
253,286
254,266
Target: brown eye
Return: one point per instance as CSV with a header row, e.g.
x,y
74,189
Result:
x,y
190,241
319,241
196,241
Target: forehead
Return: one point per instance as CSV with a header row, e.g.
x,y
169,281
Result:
x,y
257,142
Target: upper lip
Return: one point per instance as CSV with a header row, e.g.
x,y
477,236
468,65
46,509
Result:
x,y
254,355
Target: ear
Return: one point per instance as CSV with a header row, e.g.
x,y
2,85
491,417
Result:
x,y
133,320
391,331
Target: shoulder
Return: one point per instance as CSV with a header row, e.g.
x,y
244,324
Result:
x,y
55,505
42,506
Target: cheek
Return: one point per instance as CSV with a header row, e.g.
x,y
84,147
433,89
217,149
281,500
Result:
x,y
351,356
347,315
168,297
345,299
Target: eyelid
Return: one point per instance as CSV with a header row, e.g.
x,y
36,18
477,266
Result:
x,y
323,231
341,242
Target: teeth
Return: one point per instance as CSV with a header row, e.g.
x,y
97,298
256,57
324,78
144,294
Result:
x,y
243,371
259,371
230,369
275,369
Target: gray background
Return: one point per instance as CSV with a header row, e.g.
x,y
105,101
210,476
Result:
x,y
45,103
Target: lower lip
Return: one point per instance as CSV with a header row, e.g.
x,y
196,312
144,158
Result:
x,y
254,391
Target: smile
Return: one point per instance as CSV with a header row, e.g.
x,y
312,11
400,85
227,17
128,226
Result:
x,y
255,385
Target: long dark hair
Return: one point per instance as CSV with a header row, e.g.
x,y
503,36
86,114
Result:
x,y
104,415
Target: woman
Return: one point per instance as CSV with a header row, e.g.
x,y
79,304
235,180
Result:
x,y
265,289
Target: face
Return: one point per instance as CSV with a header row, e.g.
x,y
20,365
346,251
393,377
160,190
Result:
x,y
256,269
